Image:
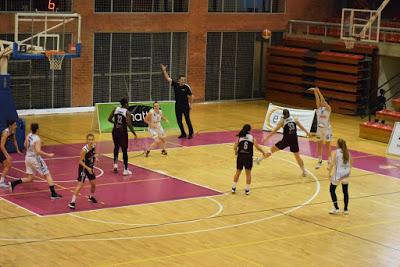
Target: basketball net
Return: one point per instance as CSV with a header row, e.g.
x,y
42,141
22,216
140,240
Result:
x,y
349,43
55,59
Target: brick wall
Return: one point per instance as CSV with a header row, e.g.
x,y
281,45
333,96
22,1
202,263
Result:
x,y
197,22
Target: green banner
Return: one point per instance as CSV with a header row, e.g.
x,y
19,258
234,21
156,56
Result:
x,y
139,111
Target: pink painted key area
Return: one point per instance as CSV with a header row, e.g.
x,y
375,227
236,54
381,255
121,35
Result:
x,y
113,190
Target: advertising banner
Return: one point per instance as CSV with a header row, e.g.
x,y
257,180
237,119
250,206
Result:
x,y
274,114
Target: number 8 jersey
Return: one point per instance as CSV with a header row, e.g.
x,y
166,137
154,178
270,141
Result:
x,y
245,146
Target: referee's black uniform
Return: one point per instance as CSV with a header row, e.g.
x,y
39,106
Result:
x,y
182,106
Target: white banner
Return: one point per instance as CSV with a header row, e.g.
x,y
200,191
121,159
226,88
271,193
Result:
x,y
394,143
274,114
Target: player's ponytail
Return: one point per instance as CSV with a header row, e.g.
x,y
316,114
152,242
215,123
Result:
x,y
245,130
343,146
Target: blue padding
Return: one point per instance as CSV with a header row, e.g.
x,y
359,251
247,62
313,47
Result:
x,y
27,56
7,106
9,112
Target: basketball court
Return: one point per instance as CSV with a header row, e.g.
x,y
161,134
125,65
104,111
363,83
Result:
x,y
178,209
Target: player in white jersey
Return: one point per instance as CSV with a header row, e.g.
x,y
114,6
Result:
x,y
34,162
153,119
341,167
324,128
5,158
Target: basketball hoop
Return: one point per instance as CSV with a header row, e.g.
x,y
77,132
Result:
x,y
349,43
55,59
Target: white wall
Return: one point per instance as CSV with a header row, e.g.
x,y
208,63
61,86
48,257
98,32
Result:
x,y
388,67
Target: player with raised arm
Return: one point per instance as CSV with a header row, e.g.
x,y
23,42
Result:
x,y
324,128
122,119
289,139
183,101
86,170
153,120
34,162
5,158
244,151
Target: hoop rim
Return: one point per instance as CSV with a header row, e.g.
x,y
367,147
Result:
x,y
50,53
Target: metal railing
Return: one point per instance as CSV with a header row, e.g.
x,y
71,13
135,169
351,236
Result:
x,y
394,89
304,26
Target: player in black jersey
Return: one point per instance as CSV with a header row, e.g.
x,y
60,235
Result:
x,y
5,158
289,138
244,150
122,119
85,169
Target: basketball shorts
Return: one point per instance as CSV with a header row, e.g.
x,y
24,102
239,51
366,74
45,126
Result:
x,y
289,142
36,165
157,132
244,161
83,173
120,137
324,134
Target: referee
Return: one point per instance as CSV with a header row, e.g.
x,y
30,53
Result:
x,y
183,101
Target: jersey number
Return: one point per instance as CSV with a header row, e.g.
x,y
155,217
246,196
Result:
x,y
291,126
119,119
246,145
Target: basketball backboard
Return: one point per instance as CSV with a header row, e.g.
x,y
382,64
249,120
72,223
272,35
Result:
x,y
361,25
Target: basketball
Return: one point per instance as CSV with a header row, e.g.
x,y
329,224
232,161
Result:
x,y
266,34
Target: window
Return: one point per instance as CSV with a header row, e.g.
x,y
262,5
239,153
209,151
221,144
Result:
x,y
128,64
34,5
141,5
249,6
235,64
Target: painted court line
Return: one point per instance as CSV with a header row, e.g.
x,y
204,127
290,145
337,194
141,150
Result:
x,y
220,209
317,190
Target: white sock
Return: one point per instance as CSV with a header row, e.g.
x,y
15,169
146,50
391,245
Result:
x,y
2,179
234,185
247,187
73,198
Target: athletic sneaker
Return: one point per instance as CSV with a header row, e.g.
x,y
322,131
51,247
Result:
x,y
92,199
163,152
115,168
233,190
319,164
127,172
55,196
146,153
11,186
247,191
334,211
3,185
71,205
346,212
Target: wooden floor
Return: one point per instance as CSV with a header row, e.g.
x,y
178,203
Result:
x,y
284,222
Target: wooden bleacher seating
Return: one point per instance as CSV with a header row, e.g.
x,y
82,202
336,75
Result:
x,y
396,104
376,131
302,63
388,115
